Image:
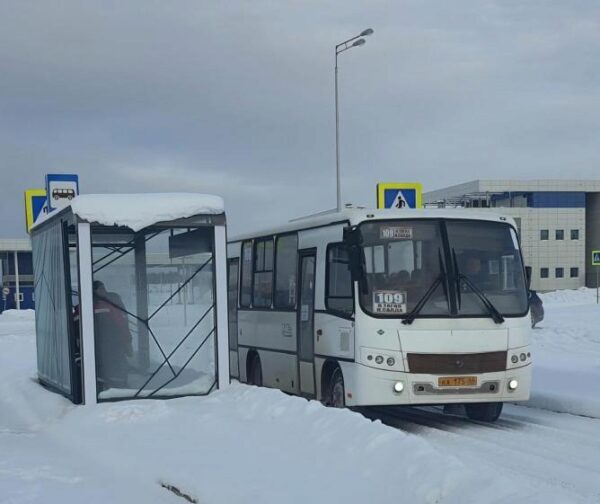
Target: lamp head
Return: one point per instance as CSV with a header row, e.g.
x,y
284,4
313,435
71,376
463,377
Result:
x,y
367,32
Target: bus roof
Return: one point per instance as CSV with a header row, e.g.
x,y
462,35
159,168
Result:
x,y
355,216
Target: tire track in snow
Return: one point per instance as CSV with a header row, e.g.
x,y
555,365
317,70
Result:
x,y
542,448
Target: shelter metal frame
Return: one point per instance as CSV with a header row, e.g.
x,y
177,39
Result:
x,y
80,233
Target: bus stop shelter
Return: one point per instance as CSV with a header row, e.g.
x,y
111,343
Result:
x,y
131,297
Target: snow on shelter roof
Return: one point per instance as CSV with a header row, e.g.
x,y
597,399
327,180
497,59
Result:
x,y
137,211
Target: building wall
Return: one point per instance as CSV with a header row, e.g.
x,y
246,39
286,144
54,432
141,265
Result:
x,y
551,253
592,236
9,249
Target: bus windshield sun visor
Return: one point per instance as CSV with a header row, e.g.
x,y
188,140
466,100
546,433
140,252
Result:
x,y
442,277
461,277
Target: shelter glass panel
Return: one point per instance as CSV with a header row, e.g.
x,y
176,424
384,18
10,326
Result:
x,y
54,332
154,312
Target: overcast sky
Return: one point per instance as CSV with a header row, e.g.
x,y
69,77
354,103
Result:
x,y
236,98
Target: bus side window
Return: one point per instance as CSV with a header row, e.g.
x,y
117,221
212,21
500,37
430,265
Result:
x,y
246,283
286,262
263,273
339,296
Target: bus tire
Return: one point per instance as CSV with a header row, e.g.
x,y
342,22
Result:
x,y
336,396
255,371
484,412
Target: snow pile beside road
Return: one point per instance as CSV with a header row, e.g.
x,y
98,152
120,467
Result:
x,y
24,405
242,444
566,365
569,297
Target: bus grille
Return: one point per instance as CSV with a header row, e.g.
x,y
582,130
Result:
x,y
488,362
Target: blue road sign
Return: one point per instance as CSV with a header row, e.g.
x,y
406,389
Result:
x,y
399,195
61,188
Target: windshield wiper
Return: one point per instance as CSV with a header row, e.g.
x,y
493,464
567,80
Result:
x,y
410,318
492,310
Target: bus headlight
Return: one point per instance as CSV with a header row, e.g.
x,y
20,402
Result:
x,y
514,359
513,384
379,359
391,361
523,357
398,387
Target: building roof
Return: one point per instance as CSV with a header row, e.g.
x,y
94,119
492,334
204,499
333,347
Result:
x,y
15,244
510,185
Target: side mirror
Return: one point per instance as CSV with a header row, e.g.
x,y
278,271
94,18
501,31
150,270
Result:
x,y
352,236
356,256
528,271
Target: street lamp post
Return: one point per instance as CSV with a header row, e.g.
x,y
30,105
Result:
x,y
357,41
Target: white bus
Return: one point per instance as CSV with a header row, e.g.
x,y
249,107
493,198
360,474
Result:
x,y
384,307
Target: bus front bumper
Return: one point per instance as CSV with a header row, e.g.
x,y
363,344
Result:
x,y
366,386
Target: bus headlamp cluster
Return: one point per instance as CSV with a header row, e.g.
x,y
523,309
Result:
x,y
522,357
389,360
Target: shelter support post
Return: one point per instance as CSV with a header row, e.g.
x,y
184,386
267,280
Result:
x,y
220,261
141,280
17,284
86,313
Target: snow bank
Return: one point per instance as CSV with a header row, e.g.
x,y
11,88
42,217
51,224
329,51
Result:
x,y
15,316
24,405
566,350
570,297
138,211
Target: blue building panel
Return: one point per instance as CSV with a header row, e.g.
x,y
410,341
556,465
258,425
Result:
x,y
557,199
542,199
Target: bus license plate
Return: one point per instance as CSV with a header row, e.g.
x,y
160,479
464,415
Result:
x,y
457,381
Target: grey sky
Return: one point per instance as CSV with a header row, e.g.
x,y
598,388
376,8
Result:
x,y
236,98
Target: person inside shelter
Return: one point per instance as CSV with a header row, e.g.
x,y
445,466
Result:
x,y
113,338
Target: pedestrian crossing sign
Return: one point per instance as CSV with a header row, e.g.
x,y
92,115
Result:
x,y
35,200
595,257
399,195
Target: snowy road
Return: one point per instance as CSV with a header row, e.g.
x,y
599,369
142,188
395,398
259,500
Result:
x,y
554,452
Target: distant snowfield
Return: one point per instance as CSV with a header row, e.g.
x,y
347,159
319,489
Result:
x,y
246,444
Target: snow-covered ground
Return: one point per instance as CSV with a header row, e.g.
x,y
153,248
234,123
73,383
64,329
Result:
x,y
246,444
566,373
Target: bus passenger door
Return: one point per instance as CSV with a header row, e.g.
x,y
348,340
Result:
x,y
232,297
306,322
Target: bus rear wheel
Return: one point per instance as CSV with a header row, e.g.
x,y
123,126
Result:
x,y
255,373
484,412
337,392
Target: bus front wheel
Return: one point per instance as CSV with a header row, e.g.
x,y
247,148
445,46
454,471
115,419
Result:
x,y
484,412
337,392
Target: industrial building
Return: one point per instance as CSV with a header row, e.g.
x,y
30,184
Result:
x,y
558,221
16,274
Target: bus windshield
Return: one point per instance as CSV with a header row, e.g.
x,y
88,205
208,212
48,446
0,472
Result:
x,y
442,268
